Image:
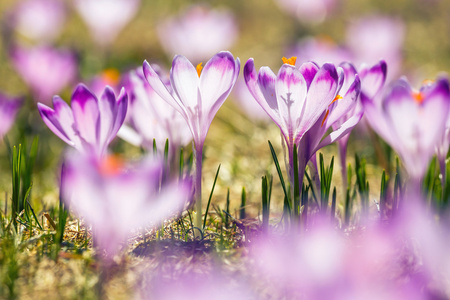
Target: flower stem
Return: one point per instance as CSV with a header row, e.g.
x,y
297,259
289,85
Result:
x,y
198,185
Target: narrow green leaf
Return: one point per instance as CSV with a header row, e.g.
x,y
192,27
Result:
x,y
210,197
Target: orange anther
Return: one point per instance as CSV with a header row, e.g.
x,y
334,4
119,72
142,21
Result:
x,y
199,69
290,61
336,99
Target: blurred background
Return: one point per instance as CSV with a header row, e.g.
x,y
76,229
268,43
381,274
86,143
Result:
x,y
48,46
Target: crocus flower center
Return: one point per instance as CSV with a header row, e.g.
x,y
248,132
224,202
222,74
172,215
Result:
x,y
418,97
290,61
111,76
111,165
199,69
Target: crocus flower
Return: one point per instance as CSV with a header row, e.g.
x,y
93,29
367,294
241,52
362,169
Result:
x,y
412,122
296,99
8,110
198,93
40,20
152,118
106,18
90,124
115,198
373,37
44,69
198,33
308,11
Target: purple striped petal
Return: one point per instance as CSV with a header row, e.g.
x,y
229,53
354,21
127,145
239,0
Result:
x,y
337,134
321,93
255,82
216,80
86,114
107,109
60,120
309,71
373,79
349,76
121,112
161,89
341,107
291,90
185,82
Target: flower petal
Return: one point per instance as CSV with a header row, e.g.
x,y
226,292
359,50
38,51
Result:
x,y
255,82
107,109
160,88
373,79
185,82
216,81
320,94
341,107
291,90
86,114
60,120
309,71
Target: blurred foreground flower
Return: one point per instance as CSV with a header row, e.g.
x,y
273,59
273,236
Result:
x,y
115,198
406,260
151,117
106,18
308,11
199,33
90,124
39,20
45,70
192,285
8,110
197,94
411,122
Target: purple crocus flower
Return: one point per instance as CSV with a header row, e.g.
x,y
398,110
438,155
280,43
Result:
x,y
115,198
197,95
152,118
90,124
411,122
297,98
106,18
8,110
39,19
46,70
198,33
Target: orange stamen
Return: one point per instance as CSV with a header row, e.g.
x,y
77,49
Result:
x,y
290,61
111,165
111,76
336,99
199,69
418,97
325,118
